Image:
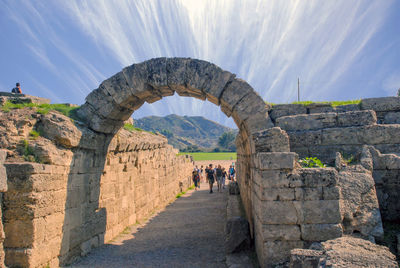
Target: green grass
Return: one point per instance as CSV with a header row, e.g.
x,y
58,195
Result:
x,y
332,103
211,156
132,128
42,108
33,134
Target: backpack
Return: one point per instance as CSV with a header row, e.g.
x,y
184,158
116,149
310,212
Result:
x,y
219,172
14,90
210,173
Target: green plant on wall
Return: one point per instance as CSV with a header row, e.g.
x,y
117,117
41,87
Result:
x,y
27,152
311,162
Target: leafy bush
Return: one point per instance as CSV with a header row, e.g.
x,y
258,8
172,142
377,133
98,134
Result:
x,y
311,162
227,142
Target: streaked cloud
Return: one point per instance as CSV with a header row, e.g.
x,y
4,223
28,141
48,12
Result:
x,y
268,43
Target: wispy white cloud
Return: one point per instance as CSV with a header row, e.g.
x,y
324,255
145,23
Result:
x,y
267,43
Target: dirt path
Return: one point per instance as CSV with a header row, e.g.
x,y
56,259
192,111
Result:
x,y
187,233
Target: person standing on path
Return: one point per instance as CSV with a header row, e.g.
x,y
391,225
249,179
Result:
x,y
224,175
232,173
210,177
195,178
218,172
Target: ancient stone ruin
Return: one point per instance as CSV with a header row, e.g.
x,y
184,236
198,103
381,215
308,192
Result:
x,y
94,177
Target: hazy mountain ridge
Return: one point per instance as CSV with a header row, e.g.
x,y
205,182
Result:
x,y
183,131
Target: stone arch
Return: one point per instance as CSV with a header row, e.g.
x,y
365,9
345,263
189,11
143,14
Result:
x,y
114,101
108,106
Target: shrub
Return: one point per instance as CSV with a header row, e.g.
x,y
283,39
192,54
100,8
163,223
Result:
x,y
33,134
311,162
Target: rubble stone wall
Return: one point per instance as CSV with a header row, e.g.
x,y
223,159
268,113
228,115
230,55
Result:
x,y
56,212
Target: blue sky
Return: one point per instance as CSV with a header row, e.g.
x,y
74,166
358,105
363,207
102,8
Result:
x,y
340,49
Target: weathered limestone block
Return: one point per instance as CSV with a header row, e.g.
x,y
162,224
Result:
x,y
359,204
347,108
22,98
356,118
344,252
379,134
355,252
275,212
339,136
3,172
305,258
234,92
286,109
316,108
276,160
278,251
59,128
273,178
258,122
271,140
207,77
304,138
318,211
318,177
237,227
278,231
392,118
384,161
248,106
233,188
307,122
381,104
320,232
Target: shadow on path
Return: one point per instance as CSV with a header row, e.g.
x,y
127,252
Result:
x,y
187,233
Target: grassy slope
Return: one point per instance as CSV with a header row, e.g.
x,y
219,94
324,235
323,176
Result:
x,y
211,156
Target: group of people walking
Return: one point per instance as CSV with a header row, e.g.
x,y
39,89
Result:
x,y
217,174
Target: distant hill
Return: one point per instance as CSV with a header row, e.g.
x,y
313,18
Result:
x,y
184,131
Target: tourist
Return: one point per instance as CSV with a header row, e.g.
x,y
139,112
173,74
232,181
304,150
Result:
x,y
210,177
195,178
198,177
218,173
201,174
232,172
17,89
224,175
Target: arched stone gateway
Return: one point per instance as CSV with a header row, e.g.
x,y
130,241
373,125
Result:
x,y
108,106
115,100
287,206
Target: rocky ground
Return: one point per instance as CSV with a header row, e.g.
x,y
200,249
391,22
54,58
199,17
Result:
x,y
188,233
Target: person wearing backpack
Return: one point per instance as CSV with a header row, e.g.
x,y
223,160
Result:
x,y
218,173
17,89
232,173
210,177
195,178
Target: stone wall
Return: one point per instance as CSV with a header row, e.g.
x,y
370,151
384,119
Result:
x,y
86,191
3,188
320,130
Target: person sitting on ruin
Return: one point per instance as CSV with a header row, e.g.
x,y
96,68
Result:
x,y
17,89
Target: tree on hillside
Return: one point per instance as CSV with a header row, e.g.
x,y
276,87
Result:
x,y
227,142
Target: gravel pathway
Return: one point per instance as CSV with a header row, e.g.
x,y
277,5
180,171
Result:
x,y
187,233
